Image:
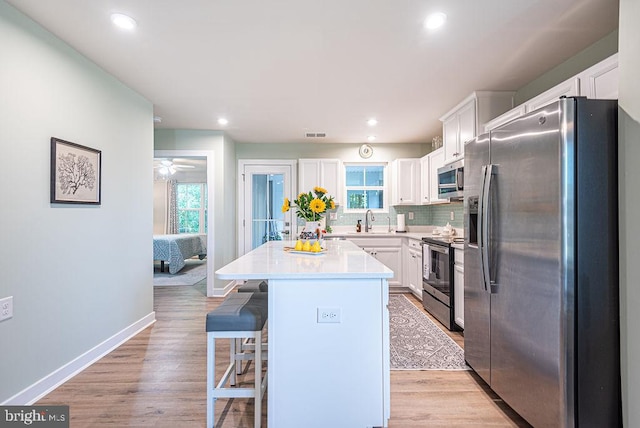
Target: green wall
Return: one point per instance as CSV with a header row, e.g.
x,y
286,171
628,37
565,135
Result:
x,y
79,275
593,54
629,176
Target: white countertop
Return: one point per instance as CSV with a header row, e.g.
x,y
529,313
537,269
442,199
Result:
x,y
342,259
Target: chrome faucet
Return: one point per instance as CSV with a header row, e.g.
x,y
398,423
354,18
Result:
x,y
366,220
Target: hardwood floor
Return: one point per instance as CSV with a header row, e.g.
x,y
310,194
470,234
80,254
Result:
x,y
158,379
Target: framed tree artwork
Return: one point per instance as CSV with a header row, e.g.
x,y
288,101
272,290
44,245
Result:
x,y
75,173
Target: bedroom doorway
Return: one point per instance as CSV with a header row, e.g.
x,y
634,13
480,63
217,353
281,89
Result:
x,y
183,199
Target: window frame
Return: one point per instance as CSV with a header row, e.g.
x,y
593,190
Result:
x,y
202,216
385,188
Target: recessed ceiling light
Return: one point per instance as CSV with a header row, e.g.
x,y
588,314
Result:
x,y
372,122
371,138
435,20
222,121
123,21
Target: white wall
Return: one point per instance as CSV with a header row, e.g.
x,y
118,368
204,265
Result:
x,y
629,174
78,274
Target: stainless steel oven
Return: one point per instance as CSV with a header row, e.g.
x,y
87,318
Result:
x,y
437,280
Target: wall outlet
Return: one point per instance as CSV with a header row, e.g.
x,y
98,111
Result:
x,y
333,216
410,215
453,215
329,315
6,308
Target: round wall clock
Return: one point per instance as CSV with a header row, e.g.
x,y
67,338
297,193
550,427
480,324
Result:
x,y
366,151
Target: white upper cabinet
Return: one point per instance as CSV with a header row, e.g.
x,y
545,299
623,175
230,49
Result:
x,y
406,182
569,88
455,127
325,173
504,118
466,120
429,165
599,81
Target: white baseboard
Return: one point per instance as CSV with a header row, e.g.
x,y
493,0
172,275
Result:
x,y
33,393
222,292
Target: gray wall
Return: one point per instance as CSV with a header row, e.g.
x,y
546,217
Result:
x,y
629,159
593,54
77,274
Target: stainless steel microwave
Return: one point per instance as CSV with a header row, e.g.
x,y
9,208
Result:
x,y
451,180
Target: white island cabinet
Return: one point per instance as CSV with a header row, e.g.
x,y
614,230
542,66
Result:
x,y
323,374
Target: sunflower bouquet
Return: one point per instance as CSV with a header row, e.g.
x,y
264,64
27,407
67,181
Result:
x,y
310,206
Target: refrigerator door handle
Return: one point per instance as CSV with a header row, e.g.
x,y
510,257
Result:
x,y
480,231
486,208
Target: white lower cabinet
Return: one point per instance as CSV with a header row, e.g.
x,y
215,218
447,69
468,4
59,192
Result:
x,y
412,268
458,287
388,251
391,257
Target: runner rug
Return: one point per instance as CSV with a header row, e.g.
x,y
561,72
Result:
x,y
417,343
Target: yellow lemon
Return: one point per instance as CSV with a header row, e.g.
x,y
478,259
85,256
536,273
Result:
x,y
298,246
316,247
306,246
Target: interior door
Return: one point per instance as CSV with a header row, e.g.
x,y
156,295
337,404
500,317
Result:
x,y
264,188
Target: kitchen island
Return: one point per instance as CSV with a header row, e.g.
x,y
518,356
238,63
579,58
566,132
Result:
x,y
328,333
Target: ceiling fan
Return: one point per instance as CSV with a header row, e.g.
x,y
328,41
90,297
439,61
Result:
x,y
168,166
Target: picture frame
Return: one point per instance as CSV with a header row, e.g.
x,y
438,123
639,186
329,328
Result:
x,y
76,173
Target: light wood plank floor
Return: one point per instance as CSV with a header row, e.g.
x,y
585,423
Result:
x,y
158,379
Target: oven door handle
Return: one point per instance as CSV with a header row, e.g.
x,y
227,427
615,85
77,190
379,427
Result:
x,y
437,249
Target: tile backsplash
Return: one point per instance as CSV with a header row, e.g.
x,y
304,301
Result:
x,y
423,215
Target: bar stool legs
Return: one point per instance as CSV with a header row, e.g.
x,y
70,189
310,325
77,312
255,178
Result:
x,y
240,316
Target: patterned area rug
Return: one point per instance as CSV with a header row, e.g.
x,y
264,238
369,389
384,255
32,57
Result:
x,y
417,343
193,272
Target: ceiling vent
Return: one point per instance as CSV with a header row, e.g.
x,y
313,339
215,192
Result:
x,y
315,134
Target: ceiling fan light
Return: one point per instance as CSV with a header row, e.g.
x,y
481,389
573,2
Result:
x,y
163,170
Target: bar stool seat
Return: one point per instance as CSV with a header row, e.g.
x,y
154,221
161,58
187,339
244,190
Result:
x,y
240,315
254,286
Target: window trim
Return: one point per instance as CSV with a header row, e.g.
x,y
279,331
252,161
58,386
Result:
x,y
385,188
202,217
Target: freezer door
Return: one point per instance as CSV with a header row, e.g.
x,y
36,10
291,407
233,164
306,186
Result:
x,y
477,346
525,253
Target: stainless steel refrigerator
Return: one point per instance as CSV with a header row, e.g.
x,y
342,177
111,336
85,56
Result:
x,y
541,263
